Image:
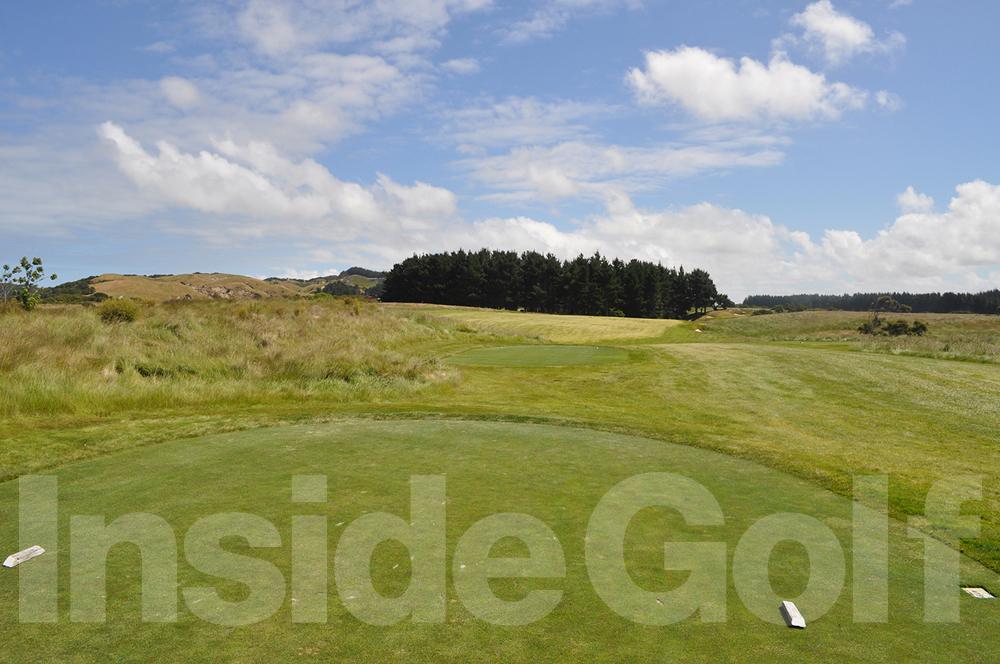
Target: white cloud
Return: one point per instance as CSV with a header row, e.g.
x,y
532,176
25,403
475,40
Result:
x,y
252,191
911,201
461,66
392,27
553,15
712,88
305,275
745,253
549,153
592,169
838,37
888,100
55,187
270,193
160,47
520,121
301,106
922,250
180,92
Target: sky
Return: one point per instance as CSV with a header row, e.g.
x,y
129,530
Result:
x,y
784,147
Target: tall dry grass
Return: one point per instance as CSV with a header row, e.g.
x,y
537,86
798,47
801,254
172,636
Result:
x,y
967,337
66,360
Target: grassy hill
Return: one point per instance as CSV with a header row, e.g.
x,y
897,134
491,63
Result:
x,y
197,286
191,287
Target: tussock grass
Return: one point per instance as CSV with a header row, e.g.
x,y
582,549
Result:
x,y
65,360
968,337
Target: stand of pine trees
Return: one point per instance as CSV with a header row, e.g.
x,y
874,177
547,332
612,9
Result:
x,y
542,283
987,302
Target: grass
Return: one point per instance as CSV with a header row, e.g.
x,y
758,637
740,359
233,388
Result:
x,y
66,360
763,390
566,329
965,337
539,356
490,468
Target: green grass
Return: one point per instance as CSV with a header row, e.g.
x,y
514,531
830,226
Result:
x,y
563,329
490,468
764,390
539,356
967,337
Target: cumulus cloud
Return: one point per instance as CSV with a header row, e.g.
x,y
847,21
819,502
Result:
x,y
838,36
714,89
925,247
747,253
911,201
253,181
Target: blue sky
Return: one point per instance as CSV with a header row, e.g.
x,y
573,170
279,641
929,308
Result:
x,y
782,146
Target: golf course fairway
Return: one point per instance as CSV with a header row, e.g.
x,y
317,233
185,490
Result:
x,y
540,356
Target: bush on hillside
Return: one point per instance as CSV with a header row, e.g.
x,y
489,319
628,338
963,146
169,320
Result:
x,y
119,311
341,288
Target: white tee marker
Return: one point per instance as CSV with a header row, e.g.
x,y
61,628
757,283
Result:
x,y
21,556
792,616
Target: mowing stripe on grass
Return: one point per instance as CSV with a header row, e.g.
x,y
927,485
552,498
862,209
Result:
x,y
539,356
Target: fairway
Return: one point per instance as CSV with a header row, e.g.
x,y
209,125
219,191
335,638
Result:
x,y
572,329
554,474
540,356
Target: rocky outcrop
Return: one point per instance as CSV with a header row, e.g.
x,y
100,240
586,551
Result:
x,y
223,293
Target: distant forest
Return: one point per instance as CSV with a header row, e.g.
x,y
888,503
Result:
x,y
539,283
987,302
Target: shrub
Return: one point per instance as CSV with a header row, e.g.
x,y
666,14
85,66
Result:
x,y
896,328
118,311
354,304
245,311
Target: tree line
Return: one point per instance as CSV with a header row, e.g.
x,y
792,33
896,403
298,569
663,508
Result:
x,y
589,286
987,302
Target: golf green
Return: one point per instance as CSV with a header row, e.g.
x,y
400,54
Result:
x,y
540,356
555,475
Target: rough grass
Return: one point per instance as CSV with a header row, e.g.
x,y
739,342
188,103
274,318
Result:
x,y
969,337
66,360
